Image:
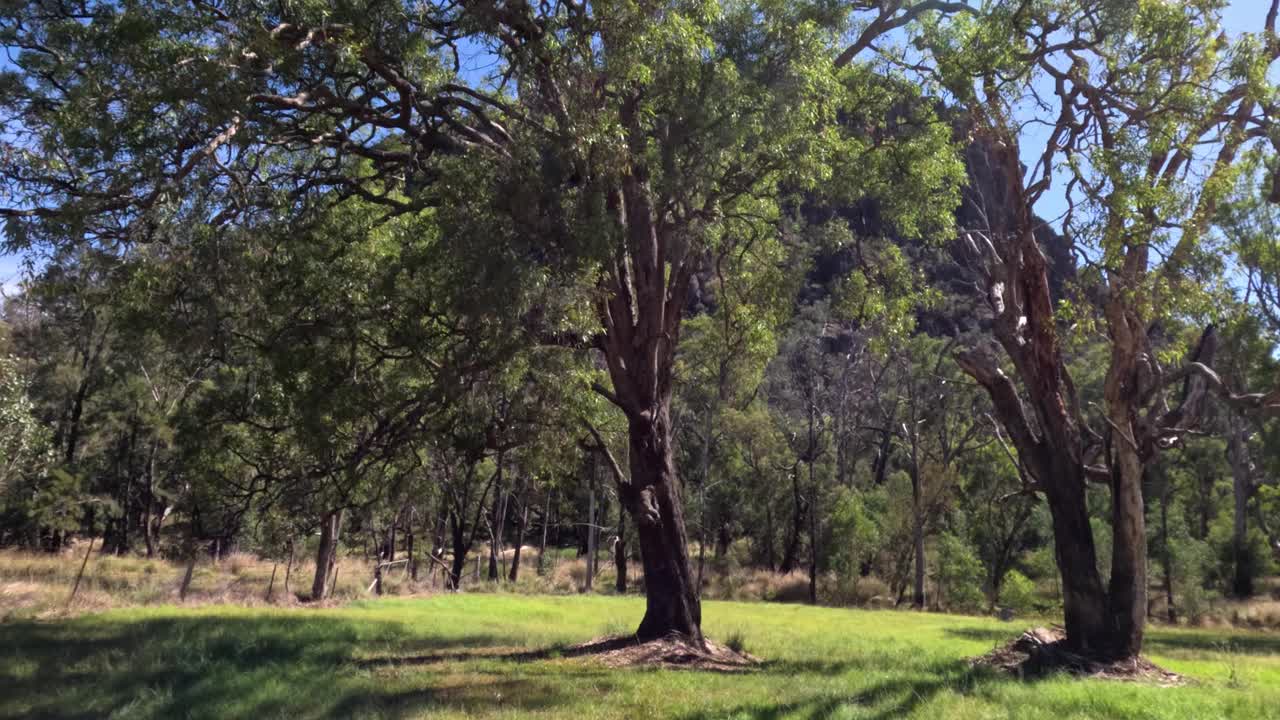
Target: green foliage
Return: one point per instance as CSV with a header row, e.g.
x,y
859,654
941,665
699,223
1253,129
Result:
x,y
855,534
959,574
25,443
1256,554
1018,592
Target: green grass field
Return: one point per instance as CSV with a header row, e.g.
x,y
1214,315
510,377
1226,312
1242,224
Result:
x,y
459,656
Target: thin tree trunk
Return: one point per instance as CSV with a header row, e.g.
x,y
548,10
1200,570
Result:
x,y
546,522
79,575
191,569
1166,554
271,586
496,522
810,457
768,539
458,534
1241,486
620,553
702,505
329,526
813,537
591,536
413,561
519,539
791,553
702,544
148,531
288,568
917,529
333,586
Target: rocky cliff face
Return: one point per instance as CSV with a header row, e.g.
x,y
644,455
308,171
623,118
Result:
x,y
962,309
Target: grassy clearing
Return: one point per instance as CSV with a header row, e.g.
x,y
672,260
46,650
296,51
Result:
x,y
444,657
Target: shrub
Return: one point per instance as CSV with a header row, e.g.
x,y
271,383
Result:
x,y
736,642
959,574
1018,592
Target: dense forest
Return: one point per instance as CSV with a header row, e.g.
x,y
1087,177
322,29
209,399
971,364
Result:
x,y
958,306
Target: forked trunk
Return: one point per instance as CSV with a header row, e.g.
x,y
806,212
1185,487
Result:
x,y
647,284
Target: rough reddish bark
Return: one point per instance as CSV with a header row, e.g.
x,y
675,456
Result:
x,y
644,287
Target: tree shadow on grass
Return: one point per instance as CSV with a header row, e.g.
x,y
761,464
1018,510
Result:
x,y
553,652
218,666
893,698
1184,644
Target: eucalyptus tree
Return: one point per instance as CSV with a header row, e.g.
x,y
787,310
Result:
x,y
1150,105
623,146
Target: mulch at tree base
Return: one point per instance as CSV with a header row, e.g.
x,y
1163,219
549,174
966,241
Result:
x,y
1041,651
673,651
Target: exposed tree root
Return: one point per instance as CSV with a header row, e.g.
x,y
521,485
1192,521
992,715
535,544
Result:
x,y
673,651
1042,651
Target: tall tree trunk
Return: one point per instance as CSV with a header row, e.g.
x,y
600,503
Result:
x,y
1166,550
458,534
591,535
326,551
917,525
390,553
192,554
702,546
1241,489
514,573
703,525
1084,601
288,568
770,559
620,553
646,286
813,536
653,499
1100,623
148,528
791,553
498,519
811,456
1127,591
412,569
546,522
80,575
271,586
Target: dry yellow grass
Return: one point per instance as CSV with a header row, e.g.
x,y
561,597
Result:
x,y
39,584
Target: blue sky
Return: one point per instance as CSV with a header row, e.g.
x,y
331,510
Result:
x,y
1240,16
